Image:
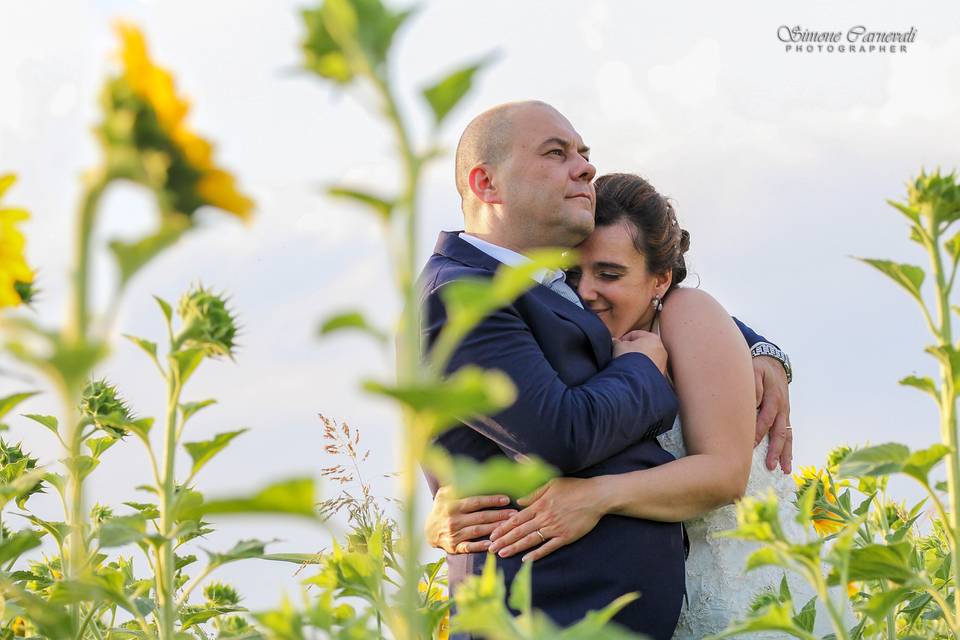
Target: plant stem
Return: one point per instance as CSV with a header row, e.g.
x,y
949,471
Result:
x,y
95,183
165,557
948,402
408,369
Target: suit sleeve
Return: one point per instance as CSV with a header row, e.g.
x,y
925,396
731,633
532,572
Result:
x,y
751,336
570,427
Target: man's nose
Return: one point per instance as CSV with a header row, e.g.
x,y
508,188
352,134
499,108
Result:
x,y
585,170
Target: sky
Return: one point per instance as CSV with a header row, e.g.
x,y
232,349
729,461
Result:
x,y
779,164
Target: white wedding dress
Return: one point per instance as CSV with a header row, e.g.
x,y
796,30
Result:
x,y
718,590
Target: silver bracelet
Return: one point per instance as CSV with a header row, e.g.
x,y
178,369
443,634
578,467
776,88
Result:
x,y
767,349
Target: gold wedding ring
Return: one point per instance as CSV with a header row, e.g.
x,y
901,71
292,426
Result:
x,y
539,533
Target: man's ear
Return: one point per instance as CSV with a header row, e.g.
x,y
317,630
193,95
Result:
x,y
482,184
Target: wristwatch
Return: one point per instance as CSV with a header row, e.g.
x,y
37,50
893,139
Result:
x,y
767,349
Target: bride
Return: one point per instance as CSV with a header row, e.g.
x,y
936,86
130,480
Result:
x,y
628,273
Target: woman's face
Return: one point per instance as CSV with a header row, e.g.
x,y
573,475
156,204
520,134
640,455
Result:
x,y
613,280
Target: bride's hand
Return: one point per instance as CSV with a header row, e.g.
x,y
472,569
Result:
x,y
563,510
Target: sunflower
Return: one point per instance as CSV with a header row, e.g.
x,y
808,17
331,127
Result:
x,y
824,522
437,594
148,139
16,277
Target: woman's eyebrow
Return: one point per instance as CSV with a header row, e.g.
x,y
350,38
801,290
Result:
x,y
609,265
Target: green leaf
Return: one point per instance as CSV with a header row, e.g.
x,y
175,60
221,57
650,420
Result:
x,y
498,475
521,592
146,345
194,617
953,247
295,558
919,464
187,361
187,409
380,206
98,445
879,460
148,510
7,403
807,618
595,624
121,530
132,256
18,543
764,557
881,562
924,384
57,530
879,604
911,214
468,392
141,428
908,276
445,94
293,497
351,320
48,421
51,620
165,308
242,550
202,452
776,616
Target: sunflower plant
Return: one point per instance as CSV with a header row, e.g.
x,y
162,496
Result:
x,y
899,563
350,43
85,584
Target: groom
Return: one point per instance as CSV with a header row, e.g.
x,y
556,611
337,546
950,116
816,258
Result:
x,y
585,404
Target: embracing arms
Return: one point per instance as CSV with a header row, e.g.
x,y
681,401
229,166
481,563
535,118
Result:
x,y
571,427
713,375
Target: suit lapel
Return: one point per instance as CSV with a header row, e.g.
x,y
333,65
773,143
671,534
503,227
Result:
x,y
449,244
587,320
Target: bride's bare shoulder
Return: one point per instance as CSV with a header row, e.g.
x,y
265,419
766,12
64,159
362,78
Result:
x,y
686,302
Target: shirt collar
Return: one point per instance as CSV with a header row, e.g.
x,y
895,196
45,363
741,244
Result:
x,y
511,258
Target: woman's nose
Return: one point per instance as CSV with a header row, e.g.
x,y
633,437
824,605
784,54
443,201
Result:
x,y
586,290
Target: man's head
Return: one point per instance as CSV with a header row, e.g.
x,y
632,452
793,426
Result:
x,y
524,177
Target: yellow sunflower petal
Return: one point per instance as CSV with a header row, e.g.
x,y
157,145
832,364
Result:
x,y
218,188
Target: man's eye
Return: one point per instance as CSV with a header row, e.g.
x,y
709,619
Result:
x,y
559,152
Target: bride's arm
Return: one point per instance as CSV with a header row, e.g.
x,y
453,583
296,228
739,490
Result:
x,y
713,376
712,371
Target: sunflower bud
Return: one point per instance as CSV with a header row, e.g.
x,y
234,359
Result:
x,y
14,463
207,323
220,594
101,403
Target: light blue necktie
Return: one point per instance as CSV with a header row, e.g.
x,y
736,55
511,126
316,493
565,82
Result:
x,y
557,282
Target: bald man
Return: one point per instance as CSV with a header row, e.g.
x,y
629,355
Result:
x,y
583,405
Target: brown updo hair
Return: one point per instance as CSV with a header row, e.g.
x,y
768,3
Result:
x,y
658,236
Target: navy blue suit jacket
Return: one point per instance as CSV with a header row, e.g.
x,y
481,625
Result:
x,y
585,413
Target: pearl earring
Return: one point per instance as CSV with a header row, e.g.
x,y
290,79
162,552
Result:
x,y
656,303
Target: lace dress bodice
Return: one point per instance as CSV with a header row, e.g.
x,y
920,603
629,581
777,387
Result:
x,y
718,590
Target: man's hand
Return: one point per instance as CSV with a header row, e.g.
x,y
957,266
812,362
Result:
x,y
453,524
645,342
773,417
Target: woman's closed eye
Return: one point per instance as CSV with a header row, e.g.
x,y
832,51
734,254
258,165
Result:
x,y
608,276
